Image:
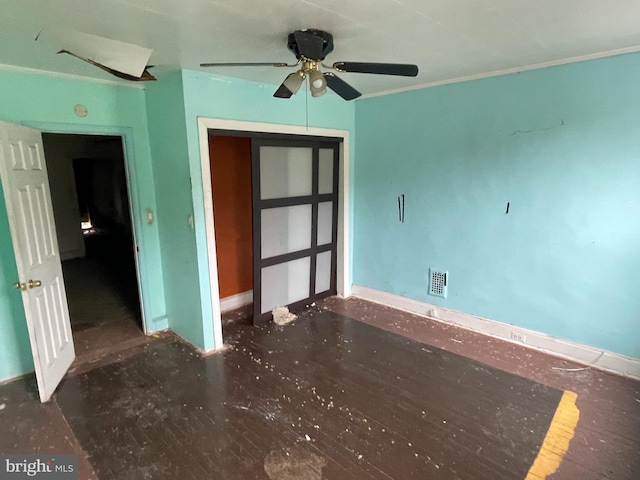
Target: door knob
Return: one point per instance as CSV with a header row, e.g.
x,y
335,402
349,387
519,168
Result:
x,y
20,286
34,283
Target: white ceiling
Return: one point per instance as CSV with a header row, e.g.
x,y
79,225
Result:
x,y
448,39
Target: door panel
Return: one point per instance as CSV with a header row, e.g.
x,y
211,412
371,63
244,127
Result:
x,y
285,230
28,200
295,199
325,223
323,272
285,172
285,283
325,170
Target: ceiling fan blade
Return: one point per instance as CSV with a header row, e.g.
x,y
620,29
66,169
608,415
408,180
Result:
x,y
283,92
246,64
401,69
341,87
309,45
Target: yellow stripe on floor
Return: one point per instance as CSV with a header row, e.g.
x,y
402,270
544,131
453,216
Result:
x,y
556,442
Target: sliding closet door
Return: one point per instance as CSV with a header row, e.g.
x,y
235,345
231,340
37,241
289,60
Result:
x,y
295,208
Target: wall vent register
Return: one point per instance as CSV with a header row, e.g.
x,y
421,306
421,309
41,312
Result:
x,y
438,282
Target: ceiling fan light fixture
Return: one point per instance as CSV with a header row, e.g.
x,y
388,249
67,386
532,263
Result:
x,y
318,93
310,47
317,83
294,81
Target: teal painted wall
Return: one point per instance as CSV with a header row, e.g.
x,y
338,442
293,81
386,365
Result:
x,y
212,96
167,131
47,102
562,145
158,123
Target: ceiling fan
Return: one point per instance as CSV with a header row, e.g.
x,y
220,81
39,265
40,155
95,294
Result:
x,y
310,47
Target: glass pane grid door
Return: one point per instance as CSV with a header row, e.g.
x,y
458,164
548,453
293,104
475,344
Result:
x,y
295,208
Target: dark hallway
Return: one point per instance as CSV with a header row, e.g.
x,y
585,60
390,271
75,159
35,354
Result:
x,y
87,174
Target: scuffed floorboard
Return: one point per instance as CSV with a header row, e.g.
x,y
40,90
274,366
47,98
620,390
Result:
x,y
326,397
30,427
606,444
337,397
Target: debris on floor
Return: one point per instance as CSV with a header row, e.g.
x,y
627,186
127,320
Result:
x,y
282,315
293,464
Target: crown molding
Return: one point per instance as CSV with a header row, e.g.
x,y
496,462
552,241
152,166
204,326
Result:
x,y
508,71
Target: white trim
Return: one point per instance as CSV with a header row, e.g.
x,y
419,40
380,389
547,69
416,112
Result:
x,y
508,71
207,192
235,301
585,354
343,280
70,76
343,271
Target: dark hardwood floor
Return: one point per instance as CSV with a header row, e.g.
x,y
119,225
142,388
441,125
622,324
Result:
x,y
607,438
328,397
104,304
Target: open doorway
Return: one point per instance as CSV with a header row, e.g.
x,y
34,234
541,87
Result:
x,y
90,197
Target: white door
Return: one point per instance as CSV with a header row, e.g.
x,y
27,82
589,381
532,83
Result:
x,y
26,192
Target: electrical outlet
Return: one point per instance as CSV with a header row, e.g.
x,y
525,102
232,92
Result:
x,y
518,337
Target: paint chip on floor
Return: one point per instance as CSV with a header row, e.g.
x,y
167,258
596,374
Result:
x,y
293,464
282,315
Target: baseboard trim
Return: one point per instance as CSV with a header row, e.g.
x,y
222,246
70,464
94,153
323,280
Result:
x,y
13,378
201,351
585,354
158,324
235,301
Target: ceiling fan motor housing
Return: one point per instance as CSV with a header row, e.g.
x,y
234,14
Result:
x,y
327,43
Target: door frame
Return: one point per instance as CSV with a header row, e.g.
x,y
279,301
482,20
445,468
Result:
x,y
126,134
343,280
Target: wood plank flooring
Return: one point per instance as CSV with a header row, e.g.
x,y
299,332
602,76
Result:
x,y
328,397
607,438
102,294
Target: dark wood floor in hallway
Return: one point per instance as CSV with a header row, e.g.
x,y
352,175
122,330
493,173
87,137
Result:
x,y
328,397
103,299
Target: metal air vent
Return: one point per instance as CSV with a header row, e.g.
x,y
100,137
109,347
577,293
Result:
x,y
438,282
